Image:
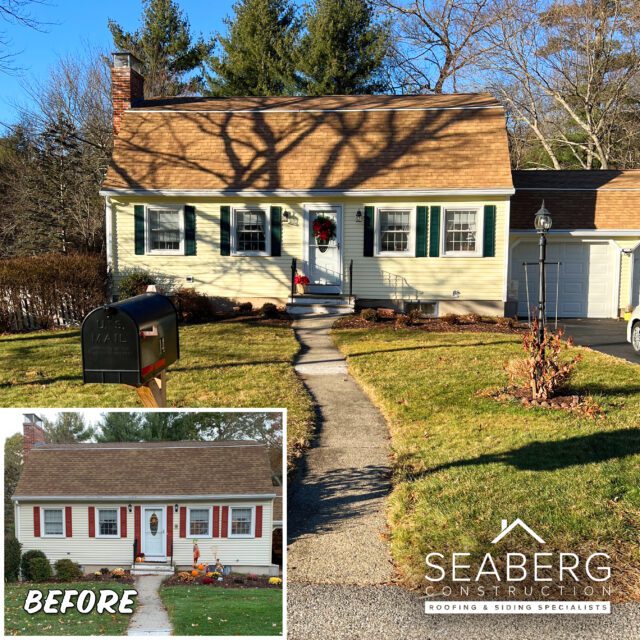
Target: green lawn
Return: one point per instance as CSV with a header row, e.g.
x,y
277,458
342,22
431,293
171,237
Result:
x,y
215,611
230,364
462,463
72,623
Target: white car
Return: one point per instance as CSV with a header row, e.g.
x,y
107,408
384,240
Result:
x,y
633,330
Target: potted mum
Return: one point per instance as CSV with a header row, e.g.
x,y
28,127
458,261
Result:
x,y
302,282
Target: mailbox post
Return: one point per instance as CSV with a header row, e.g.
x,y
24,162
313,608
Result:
x,y
132,342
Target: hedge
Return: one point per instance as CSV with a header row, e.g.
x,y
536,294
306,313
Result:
x,y
12,554
50,290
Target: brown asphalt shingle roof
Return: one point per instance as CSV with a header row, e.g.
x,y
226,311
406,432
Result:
x,y
300,143
277,504
147,469
578,199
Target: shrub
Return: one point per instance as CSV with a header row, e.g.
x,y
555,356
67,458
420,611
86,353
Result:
x,y
401,322
12,553
134,283
269,310
185,576
450,318
543,370
245,307
104,571
274,580
50,290
117,573
40,569
369,315
472,318
206,580
67,570
415,315
507,323
192,306
27,556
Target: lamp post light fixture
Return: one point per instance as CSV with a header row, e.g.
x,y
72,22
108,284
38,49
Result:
x,y
542,223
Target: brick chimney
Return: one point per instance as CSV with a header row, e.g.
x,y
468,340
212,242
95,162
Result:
x,y
33,433
127,85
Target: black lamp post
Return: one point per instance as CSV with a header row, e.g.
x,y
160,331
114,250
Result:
x,y
542,224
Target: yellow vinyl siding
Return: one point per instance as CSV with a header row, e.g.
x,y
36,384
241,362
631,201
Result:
x,y
242,277
119,551
626,269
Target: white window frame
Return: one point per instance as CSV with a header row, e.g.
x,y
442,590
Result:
x,y
479,233
147,230
43,527
267,230
411,252
97,524
253,523
202,508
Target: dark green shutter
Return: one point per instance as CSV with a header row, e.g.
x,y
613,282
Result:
x,y
276,231
489,231
225,231
189,230
138,214
421,232
369,212
434,232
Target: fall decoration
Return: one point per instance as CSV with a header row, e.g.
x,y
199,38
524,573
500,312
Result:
x,y
301,279
195,573
276,581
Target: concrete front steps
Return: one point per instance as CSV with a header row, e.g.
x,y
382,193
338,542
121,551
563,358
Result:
x,y
316,304
151,569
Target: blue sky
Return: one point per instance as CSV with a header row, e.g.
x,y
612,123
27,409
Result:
x,y
75,24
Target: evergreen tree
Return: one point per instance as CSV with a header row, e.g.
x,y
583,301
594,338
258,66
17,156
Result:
x,y
343,49
120,427
12,471
167,49
258,54
68,427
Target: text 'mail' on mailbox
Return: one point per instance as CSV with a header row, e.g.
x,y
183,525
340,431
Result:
x,y
130,342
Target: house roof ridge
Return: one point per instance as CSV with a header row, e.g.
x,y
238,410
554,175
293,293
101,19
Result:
x,y
152,444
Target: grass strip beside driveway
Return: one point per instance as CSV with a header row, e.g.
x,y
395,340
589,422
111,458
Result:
x,y
463,463
224,364
216,611
19,623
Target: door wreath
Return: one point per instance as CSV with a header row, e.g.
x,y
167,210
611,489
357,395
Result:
x,y
324,230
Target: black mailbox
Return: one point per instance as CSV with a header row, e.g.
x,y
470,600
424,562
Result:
x,y
130,342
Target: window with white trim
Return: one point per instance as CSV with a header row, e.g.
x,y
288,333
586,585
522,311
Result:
x,y
461,231
107,523
251,232
394,232
241,521
200,522
165,230
53,522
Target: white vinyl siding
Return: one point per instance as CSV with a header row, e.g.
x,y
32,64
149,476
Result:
x,y
118,551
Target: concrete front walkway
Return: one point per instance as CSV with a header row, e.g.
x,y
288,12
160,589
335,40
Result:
x,y
336,508
150,617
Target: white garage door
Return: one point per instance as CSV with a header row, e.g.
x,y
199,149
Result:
x,y
586,278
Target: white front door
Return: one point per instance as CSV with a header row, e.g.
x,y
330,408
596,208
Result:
x,y
324,256
154,533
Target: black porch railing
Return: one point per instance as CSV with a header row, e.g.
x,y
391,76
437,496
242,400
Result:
x,y
294,270
135,550
350,281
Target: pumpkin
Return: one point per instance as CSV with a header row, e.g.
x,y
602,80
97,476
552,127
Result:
x,y
195,573
201,567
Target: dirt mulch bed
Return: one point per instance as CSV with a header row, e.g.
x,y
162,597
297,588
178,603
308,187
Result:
x,y
126,579
584,405
232,581
436,325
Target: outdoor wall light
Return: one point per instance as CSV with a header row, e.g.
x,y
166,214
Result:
x,y
286,215
358,216
542,221
175,508
129,507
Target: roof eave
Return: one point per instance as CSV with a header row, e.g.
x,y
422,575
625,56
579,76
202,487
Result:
x,y
138,498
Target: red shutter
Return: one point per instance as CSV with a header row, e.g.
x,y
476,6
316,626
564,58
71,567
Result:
x,y
259,521
92,522
136,528
225,522
216,521
169,529
123,522
67,522
183,522
36,522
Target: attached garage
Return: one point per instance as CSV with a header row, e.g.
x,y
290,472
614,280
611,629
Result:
x,y
595,236
584,283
